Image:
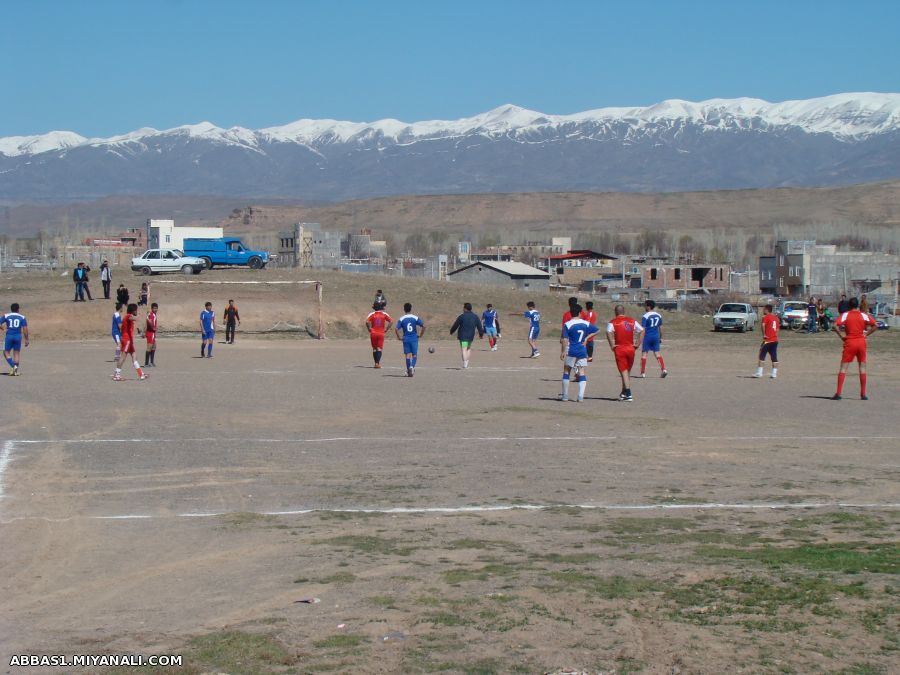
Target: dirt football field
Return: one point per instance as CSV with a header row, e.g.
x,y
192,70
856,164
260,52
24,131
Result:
x,y
285,508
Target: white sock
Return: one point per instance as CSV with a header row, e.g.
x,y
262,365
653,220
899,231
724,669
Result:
x,y
118,371
465,364
582,385
565,387
774,372
759,371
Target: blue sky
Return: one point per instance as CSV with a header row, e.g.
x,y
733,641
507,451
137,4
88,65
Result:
x,y
101,67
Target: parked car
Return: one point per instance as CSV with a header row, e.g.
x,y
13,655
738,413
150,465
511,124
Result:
x,y
792,313
225,251
737,316
156,260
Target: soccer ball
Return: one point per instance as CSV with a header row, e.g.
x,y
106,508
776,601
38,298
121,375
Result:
x,y
431,350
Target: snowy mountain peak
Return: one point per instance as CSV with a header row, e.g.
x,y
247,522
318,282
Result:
x,y
844,116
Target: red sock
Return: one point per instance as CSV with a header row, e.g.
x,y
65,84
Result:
x,y
840,387
140,371
662,364
862,384
643,364
491,341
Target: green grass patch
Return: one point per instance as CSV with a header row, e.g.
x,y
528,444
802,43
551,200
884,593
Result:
x,y
460,575
447,619
569,558
481,544
385,601
610,588
724,598
368,544
238,652
850,558
339,642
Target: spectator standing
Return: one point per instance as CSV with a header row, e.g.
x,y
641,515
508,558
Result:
x,y
812,322
843,305
863,304
122,295
78,276
105,278
87,289
380,299
465,327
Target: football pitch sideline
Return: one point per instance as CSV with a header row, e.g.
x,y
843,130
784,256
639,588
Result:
x,y
467,516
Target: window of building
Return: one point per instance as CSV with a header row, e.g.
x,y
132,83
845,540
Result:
x,y
168,238
677,273
653,274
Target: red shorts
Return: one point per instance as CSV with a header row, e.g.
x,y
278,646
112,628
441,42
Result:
x,y
377,340
624,357
151,337
127,345
854,349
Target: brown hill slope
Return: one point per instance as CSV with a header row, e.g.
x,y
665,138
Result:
x,y
875,204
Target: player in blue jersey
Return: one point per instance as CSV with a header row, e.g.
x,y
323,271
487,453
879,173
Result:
x,y
409,329
16,330
534,327
491,323
117,329
575,334
652,324
208,329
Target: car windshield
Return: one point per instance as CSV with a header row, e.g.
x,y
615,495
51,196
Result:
x,y
177,253
733,308
790,306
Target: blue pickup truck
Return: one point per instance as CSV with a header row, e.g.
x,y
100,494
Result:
x,y
225,251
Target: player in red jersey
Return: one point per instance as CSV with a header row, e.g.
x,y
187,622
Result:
x,y
621,334
150,334
590,316
377,323
128,330
769,327
857,327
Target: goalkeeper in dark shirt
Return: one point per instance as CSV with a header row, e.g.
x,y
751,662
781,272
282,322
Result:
x,y
231,319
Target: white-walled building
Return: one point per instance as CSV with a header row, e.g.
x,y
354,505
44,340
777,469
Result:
x,y
164,234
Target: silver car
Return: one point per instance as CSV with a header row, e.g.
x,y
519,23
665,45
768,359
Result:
x,y
158,260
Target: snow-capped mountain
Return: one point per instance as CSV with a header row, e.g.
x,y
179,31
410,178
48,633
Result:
x,y
673,145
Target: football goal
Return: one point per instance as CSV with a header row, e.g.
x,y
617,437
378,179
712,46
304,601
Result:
x,y
264,307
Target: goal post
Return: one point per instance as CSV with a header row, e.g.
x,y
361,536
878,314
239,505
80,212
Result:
x,y
266,307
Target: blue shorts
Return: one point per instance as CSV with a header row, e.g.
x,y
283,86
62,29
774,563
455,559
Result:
x,y
650,343
209,335
490,331
770,348
411,347
534,332
13,343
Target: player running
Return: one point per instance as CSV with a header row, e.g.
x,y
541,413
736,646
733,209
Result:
x,y
467,324
576,332
857,327
491,323
128,330
651,322
590,316
117,330
408,331
534,327
207,330
150,334
16,327
377,323
769,326
621,333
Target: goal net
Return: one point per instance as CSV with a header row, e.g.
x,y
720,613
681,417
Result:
x,y
264,307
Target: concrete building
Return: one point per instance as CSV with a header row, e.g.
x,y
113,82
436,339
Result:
x,y
804,268
164,234
767,275
513,275
657,275
308,245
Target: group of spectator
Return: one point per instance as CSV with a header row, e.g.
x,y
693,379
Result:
x,y
82,280
821,316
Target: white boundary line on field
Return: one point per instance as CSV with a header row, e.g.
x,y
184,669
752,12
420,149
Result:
x,y
426,439
487,508
5,456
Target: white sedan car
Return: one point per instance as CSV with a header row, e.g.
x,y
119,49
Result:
x,y
737,316
166,260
